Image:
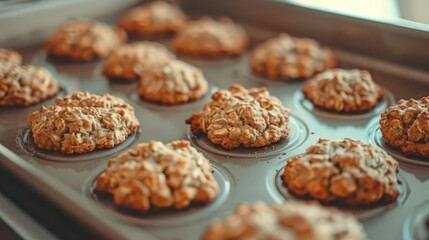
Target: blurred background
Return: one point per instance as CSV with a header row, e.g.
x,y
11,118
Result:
x,y
411,13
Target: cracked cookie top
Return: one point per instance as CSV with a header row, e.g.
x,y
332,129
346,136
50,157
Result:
x,y
84,40
344,171
173,82
131,61
211,38
290,58
9,56
291,220
83,122
155,176
25,85
406,126
242,117
153,18
343,90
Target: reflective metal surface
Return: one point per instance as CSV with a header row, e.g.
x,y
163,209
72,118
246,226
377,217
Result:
x,y
405,13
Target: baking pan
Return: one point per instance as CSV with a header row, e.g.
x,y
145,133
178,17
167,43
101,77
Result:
x,y
243,175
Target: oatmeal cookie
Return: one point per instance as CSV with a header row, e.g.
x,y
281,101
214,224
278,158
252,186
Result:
x,y
129,62
153,18
290,58
235,117
344,91
25,85
82,122
210,38
173,82
406,126
156,176
84,40
344,171
9,56
291,220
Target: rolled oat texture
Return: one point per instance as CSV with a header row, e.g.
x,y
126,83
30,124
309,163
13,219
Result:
x,y
173,82
83,122
9,56
406,126
346,91
289,221
343,171
25,85
291,58
84,40
210,38
154,18
242,117
155,176
131,61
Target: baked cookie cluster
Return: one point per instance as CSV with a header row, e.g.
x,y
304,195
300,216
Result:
x,y
290,58
153,18
23,85
210,38
344,91
83,122
173,82
131,61
406,126
155,176
242,117
343,171
84,40
291,220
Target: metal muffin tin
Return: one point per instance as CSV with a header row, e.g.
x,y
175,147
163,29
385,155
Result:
x,y
244,175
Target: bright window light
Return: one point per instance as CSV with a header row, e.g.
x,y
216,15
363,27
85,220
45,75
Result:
x,y
373,9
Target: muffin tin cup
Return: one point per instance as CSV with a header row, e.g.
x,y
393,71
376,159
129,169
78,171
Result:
x,y
26,142
163,217
297,136
375,137
415,225
280,193
304,104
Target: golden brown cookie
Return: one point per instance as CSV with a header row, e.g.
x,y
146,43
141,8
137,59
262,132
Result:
x,y
290,58
84,40
153,18
343,171
291,220
406,126
209,38
25,85
129,62
173,82
344,91
83,122
155,176
9,56
242,117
